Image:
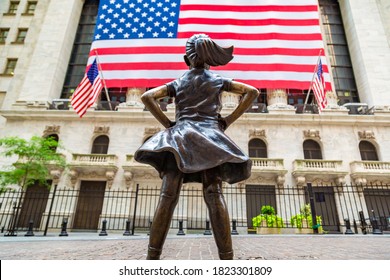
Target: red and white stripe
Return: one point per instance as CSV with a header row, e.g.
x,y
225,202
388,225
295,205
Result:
x,y
86,94
319,91
276,45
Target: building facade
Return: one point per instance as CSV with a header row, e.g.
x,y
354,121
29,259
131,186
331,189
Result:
x,y
43,51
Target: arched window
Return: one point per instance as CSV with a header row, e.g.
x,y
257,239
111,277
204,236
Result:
x,y
100,145
54,137
311,150
257,148
367,151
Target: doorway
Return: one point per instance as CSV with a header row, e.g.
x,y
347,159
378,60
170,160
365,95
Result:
x,y
33,206
256,197
89,205
325,205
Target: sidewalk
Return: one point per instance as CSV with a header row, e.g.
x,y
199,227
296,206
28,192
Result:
x,y
91,246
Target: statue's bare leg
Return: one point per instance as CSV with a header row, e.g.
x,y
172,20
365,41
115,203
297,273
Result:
x,y
169,196
219,216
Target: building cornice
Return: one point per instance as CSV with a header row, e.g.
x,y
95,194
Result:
x,y
248,118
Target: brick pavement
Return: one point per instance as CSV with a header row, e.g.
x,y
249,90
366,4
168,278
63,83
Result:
x,y
78,246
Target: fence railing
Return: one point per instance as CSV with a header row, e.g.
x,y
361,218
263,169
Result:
x,y
336,209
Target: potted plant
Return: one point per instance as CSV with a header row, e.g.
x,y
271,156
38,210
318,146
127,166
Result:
x,y
267,221
304,221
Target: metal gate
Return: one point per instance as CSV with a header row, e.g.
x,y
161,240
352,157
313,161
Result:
x,y
89,205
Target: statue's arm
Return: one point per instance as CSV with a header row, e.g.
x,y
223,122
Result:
x,y
249,94
150,97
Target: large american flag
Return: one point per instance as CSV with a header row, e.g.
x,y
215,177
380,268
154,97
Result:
x,y
141,43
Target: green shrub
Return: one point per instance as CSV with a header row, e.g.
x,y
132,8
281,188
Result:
x,y
305,215
268,214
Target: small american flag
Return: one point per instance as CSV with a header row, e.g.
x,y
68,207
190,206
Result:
x,y
87,91
319,87
141,43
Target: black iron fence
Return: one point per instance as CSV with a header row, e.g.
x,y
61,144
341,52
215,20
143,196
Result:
x,y
252,208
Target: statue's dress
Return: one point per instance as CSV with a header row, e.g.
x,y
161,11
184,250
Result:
x,y
197,140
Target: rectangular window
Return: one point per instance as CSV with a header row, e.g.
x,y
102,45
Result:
x,y
337,46
21,35
13,7
30,9
10,67
81,47
3,34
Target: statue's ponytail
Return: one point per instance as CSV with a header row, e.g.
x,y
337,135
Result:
x,y
200,50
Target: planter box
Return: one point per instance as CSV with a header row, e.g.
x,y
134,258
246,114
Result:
x,y
267,230
303,230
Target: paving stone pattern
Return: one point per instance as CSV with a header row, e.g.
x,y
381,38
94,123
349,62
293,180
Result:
x,y
78,246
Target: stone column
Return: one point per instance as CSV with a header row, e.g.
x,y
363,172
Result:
x,y
277,102
133,100
332,106
366,32
48,61
229,100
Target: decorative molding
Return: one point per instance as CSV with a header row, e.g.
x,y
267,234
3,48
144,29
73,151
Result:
x,y
149,131
256,133
128,178
277,96
312,133
101,130
280,180
51,129
332,99
73,175
133,97
277,101
110,175
366,135
55,175
229,100
241,186
300,181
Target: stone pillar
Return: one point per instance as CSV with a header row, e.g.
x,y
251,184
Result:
x,y
277,102
332,106
133,100
332,99
368,44
47,62
229,100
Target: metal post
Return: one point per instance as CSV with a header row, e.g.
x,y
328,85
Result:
x,y
50,209
207,230
348,227
374,223
104,228
363,223
181,231
312,208
127,231
355,226
150,227
12,222
30,229
135,209
63,227
234,230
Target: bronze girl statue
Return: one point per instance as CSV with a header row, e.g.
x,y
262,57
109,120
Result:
x,y
195,148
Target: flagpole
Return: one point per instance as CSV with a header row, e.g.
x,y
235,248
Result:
x,y
104,82
311,83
